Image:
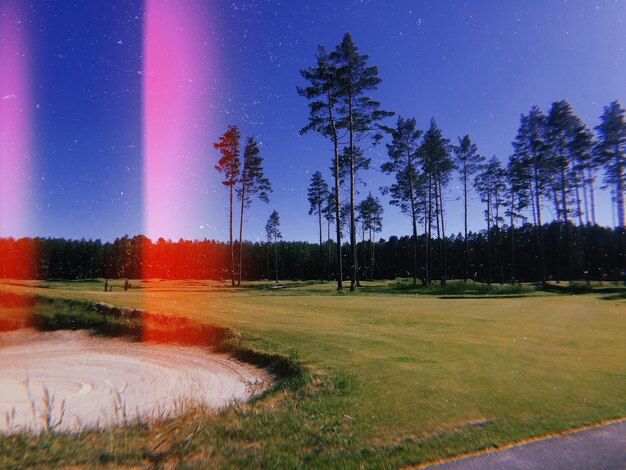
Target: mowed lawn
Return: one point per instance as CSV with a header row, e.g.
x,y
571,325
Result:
x,y
419,378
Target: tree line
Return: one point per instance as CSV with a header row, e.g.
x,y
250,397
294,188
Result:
x,y
556,163
514,255
244,179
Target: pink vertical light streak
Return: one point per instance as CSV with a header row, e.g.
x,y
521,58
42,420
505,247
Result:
x,y
176,72
16,121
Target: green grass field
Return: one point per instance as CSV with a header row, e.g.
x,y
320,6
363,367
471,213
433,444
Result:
x,y
400,376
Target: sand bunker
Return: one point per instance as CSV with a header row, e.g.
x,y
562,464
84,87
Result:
x,y
69,380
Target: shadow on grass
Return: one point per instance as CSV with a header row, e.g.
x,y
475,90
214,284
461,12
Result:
x,y
274,286
453,289
486,296
579,288
617,296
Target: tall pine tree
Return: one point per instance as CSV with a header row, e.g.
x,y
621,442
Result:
x,y
490,185
611,153
252,184
518,174
408,190
272,229
563,129
530,148
370,215
360,116
318,197
437,165
230,166
468,162
323,94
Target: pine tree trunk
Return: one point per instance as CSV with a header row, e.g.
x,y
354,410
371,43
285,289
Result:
x,y
243,198
268,262
489,239
444,264
512,225
363,266
354,281
430,224
437,214
557,205
585,196
466,253
276,257
414,220
619,198
425,276
232,248
319,214
497,258
568,253
337,198
329,252
533,206
579,205
372,247
619,188
539,227
355,267
592,199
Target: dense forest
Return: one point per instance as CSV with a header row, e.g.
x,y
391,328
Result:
x,y
514,257
556,163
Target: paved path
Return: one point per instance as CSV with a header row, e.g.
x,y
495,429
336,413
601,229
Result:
x,y
602,447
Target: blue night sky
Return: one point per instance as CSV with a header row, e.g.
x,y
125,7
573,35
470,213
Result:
x,y
475,66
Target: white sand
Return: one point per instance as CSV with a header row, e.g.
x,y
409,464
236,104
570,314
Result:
x,y
94,382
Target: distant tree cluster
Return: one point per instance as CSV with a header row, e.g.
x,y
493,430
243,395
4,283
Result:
x,y
244,179
555,163
341,111
558,159
514,255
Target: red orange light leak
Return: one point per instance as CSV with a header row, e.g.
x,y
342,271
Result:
x,y
17,257
176,76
